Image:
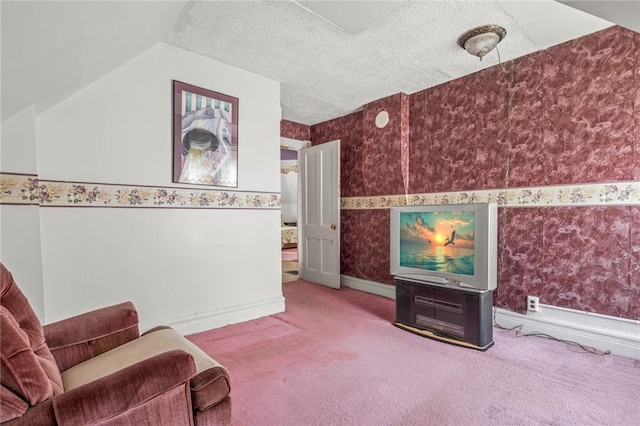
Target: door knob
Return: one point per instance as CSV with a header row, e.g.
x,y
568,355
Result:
x,y
333,226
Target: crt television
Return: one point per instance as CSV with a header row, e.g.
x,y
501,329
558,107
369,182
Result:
x,y
451,245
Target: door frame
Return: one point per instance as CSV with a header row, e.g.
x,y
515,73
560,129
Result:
x,y
295,145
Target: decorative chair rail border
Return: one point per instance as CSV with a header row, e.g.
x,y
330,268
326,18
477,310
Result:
x,y
621,193
23,189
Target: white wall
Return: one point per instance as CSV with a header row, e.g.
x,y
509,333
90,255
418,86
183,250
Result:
x,y
193,269
20,252
20,225
18,153
119,129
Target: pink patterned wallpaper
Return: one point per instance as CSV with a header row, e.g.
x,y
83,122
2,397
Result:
x,y
364,249
291,130
636,108
577,103
382,161
457,134
575,118
349,130
404,139
634,268
574,257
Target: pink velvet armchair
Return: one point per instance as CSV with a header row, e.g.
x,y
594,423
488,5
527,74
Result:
x,y
96,369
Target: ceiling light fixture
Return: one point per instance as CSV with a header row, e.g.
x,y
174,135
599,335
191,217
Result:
x,y
482,40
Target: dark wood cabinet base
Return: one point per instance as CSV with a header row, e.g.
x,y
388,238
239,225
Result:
x,y
453,315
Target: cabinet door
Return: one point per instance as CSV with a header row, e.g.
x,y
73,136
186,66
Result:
x,y
450,308
424,306
406,307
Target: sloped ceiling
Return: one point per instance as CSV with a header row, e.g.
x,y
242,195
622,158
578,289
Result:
x,y
52,49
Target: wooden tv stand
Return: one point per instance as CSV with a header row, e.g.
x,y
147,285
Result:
x,y
449,314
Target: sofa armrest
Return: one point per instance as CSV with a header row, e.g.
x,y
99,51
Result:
x,y
76,339
131,392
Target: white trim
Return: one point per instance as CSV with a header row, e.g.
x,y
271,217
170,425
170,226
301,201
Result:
x,y
367,286
619,335
224,316
293,144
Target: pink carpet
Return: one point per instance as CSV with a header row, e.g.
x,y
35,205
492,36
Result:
x,y
290,255
333,358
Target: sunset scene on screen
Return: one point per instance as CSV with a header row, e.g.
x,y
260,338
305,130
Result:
x,y
438,241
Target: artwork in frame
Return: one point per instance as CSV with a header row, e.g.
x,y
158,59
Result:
x,y
205,136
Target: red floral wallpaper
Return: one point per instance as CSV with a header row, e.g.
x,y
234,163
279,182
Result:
x,y
405,109
587,95
364,246
587,259
382,161
636,160
289,129
574,257
566,115
634,268
457,134
349,130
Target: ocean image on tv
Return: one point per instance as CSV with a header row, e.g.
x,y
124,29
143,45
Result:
x,y
438,241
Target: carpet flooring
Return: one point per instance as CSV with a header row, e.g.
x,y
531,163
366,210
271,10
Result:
x,y
334,358
290,255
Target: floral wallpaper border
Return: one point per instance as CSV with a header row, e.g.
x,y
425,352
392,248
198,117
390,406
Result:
x,y
29,190
621,193
26,189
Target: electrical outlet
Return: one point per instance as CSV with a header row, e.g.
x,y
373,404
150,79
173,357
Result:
x,y
532,303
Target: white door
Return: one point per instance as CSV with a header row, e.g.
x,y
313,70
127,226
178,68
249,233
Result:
x,y
319,221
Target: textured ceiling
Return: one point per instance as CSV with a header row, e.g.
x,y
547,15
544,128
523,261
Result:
x,y
52,49
327,71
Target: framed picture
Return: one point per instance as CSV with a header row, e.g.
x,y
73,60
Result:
x,y
205,136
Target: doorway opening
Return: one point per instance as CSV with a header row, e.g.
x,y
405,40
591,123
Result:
x,y
290,265
289,149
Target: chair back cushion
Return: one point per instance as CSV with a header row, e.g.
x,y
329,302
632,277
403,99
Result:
x,y
12,405
28,369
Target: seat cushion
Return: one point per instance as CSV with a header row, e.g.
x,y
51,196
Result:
x,y
209,386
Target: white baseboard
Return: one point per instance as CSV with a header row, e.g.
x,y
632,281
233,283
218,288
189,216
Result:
x,y
224,316
605,333
367,286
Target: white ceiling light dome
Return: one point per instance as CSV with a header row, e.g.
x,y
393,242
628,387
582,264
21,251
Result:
x,y
481,40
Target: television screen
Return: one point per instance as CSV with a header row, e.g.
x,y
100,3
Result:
x,y
438,241
446,244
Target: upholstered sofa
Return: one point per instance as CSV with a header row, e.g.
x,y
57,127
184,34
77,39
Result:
x,y
97,369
